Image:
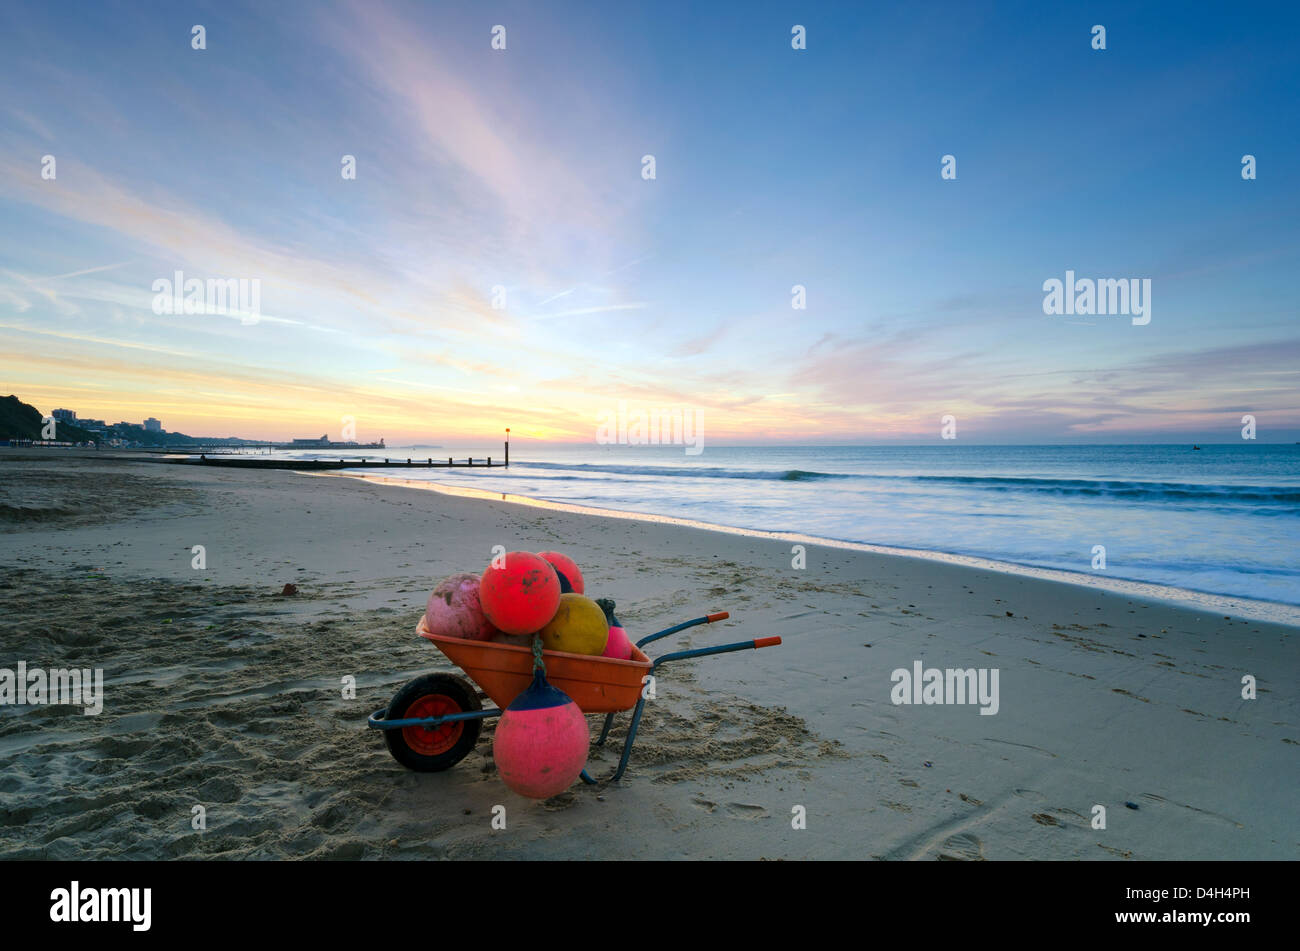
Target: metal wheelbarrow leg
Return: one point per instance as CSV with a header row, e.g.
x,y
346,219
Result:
x,y
667,658
707,619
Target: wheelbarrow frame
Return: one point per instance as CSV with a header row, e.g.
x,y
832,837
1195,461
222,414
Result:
x,y
377,719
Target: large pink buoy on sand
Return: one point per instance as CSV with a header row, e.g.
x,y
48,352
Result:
x,y
520,595
454,610
541,741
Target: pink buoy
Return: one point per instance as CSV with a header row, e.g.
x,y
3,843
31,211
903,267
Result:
x,y
618,646
454,610
541,741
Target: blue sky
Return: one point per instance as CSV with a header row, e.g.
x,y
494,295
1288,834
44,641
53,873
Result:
x,y
521,168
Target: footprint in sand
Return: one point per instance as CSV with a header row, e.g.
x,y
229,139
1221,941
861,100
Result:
x,y
745,810
559,802
962,847
1023,746
1154,800
1028,793
707,805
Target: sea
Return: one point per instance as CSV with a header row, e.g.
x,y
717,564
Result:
x,y
1219,520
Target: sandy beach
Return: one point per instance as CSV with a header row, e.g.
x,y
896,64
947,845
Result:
x,y
222,693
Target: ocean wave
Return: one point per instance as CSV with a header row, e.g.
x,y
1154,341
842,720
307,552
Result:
x,y
1119,490
708,472
1125,490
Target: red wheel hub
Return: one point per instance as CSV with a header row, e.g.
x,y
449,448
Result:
x,y
431,741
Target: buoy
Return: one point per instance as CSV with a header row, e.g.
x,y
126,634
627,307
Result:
x,y
619,645
516,640
454,610
520,596
579,627
568,568
541,741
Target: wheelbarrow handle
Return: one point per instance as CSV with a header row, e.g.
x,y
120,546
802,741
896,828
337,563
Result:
x,y
723,649
707,619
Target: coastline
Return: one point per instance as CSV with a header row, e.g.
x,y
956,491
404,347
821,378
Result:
x,y
1274,612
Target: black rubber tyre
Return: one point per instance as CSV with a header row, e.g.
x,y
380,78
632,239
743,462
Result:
x,y
433,750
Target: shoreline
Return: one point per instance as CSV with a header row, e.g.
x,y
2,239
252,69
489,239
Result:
x,y
1273,612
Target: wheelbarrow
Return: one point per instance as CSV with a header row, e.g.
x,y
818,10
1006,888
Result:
x,y
435,719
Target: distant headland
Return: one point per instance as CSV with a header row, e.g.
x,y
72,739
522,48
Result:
x,y
23,424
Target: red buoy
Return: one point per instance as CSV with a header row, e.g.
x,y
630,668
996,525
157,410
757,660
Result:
x,y
567,567
541,741
521,595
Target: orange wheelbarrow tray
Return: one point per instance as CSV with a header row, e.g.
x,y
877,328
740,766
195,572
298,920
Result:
x,y
437,717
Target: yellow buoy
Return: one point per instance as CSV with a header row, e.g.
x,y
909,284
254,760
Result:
x,y
579,626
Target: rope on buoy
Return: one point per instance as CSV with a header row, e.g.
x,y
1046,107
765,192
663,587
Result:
x,y
538,663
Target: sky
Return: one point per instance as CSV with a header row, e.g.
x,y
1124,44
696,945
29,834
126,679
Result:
x,y
500,258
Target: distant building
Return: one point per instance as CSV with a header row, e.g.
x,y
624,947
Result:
x,y
311,443
152,425
64,415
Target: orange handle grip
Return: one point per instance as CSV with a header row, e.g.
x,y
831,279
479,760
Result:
x,y
720,616
766,642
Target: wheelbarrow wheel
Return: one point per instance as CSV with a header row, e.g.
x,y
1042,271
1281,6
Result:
x,y
433,749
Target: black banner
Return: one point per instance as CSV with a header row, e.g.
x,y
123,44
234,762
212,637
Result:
x,y
931,900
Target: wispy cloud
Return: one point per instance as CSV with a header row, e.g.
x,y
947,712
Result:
x,y
520,169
